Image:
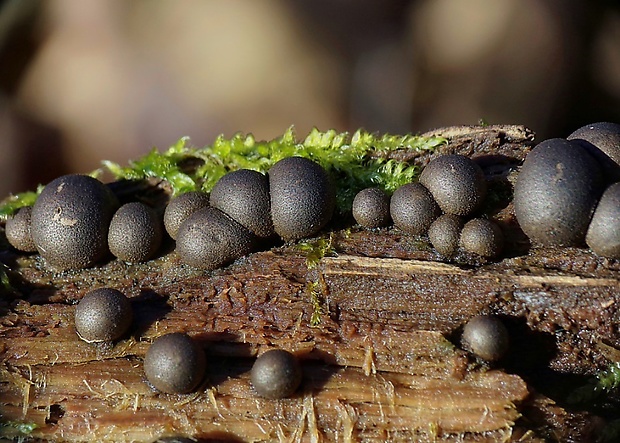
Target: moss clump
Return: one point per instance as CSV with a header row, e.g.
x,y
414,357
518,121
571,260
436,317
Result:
x,y
603,383
166,166
14,429
317,248
348,157
313,290
597,393
11,204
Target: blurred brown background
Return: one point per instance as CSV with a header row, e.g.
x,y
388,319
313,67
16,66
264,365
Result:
x,y
86,80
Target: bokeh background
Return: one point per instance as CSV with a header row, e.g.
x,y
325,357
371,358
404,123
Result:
x,y
87,80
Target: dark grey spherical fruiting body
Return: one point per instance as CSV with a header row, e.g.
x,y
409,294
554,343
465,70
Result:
x,y
602,140
413,208
181,207
456,182
371,208
70,221
174,363
17,230
135,232
276,374
556,192
209,239
103,315
244,196
486,337
482,237
444,234
603,234
302,197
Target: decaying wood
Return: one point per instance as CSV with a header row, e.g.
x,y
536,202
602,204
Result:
x,y
383,364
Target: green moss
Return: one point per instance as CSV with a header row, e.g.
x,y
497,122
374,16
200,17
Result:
x,y
349,157
314,291
602,383
166,166
12,203
15,429
316,249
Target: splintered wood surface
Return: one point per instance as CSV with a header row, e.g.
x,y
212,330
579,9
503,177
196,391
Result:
x,y
363,379
382,364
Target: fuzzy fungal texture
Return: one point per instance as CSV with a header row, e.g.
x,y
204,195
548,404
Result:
x,y
70,221
456,182
602,141
556,192
103,315
209,239
603,234
302,198
413,208
482,237
486,337
444,234
276,374
181,207
371,208
174,364
244,196
18,230
135,233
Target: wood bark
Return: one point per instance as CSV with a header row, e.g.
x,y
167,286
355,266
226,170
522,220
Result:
x,y
384,362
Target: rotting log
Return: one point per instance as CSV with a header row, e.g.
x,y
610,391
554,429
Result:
x,y
381,364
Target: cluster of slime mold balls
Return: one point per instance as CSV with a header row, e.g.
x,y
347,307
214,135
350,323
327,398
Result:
x,y
76,219
567,193
174,362
451,189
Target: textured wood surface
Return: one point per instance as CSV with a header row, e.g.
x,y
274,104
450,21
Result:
x,y
383,363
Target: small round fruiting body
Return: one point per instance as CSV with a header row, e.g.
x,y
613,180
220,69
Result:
x,y
371,208
103,315
482,237
302,197
444,234
135,233
17,230
556,192
413,208
70,221
209,239
174,363
243,195
486,337
276,374
456,182
181,207
603,234
602,141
